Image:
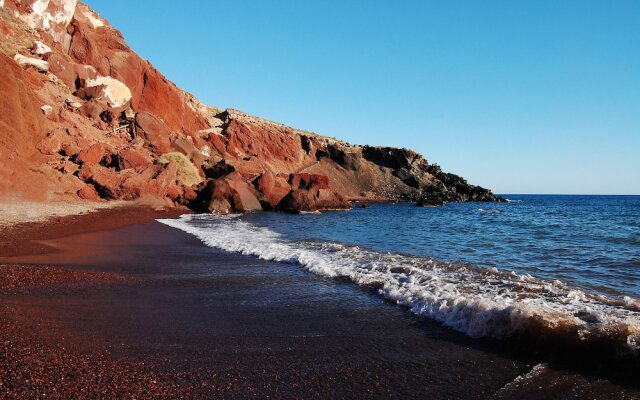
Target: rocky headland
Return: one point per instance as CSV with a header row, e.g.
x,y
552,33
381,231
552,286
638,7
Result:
x,y
84,117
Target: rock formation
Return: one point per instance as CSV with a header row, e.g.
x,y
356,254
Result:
x,y
83,116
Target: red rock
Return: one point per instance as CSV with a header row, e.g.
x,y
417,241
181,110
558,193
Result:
x,y
189,194
132,158
21,120
217,144
186,146
93,155
49,145
163,98
296,201
70,72
154,131
168,176
217,194
304,181
88,192
274,188
70,148
63,68
106,50
313,193
175,192
244,199
104,179
93,109
230,194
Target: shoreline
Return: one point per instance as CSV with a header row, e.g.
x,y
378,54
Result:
x,y
25,238
125,306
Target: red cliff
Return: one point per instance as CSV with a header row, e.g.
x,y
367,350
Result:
x,y
82,115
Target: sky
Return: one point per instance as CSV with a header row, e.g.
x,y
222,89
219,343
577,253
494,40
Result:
x,y
518,96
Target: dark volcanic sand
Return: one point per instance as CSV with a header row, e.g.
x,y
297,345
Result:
x,y
147,311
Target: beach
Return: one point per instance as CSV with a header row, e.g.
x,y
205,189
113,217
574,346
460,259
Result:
x,y
104,307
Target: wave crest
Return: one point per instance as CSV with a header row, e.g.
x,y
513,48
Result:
x,y
478,302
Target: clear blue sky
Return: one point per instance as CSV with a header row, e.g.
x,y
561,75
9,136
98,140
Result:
x,y
519,96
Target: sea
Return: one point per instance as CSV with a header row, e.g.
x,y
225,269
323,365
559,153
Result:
x,y
561,267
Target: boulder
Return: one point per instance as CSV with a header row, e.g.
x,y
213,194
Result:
x,y
296,201
88,192
72,74
46,109
50,145
186,146
115,93
154,131
93,109
40,49
106,180
27,62
133,158
273,188
311,193
228,194
244,196
93,155
130,184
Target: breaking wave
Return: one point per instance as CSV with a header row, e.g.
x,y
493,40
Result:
x,y
479,302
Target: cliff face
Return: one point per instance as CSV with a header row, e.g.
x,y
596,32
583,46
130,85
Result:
x,y
81,115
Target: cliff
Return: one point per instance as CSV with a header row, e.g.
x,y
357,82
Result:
x,y
82,115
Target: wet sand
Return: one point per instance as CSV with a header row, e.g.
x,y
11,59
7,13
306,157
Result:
x,y
147,311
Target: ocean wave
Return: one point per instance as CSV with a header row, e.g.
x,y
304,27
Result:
x,y
488,210
479,302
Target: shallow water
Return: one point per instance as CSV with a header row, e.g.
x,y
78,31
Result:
x,y
589,241
567,265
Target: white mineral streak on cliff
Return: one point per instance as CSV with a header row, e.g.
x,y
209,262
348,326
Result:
x,y
40,48
37,63
95,21
52,16
1,3
114,92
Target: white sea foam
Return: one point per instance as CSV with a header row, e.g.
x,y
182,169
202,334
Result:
x,y
478,302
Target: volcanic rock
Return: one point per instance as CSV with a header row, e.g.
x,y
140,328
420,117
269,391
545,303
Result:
x,y
154,131
133,158
96,84
88,192
273,188
311,193
93,155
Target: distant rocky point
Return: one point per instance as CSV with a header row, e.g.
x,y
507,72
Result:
x,y
83,116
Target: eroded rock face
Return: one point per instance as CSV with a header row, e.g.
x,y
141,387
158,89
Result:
x,y
154,131
116,128
21,129
52,16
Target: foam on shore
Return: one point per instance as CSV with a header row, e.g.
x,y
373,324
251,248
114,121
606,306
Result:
x,y
479,302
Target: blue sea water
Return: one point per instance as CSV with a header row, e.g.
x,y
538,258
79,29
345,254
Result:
x,y
565,265
589,241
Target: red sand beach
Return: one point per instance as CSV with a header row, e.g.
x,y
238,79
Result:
x,y
115,305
